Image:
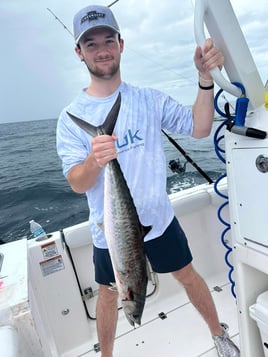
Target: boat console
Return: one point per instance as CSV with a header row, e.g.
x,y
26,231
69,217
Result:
x,y
246,163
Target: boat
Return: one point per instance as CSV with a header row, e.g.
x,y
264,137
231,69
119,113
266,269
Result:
x,y
47,288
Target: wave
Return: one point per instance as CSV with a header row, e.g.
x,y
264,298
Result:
x,y
53,206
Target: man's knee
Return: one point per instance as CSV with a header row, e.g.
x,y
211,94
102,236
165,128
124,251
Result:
x,y
107,294
187,275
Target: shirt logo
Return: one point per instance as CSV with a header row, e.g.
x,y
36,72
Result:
x,y
92,15
129,139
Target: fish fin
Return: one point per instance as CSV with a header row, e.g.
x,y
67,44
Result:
x,y
88,128
145,230
107,127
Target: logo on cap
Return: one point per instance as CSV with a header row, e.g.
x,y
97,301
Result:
x,y
92,15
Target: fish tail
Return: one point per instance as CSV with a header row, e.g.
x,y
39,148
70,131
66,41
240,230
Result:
x,y
88,128
107,127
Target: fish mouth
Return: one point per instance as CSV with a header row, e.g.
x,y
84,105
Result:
x,y
133,310
133,319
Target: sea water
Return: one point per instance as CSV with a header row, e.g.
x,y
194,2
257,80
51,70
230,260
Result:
x,y
32,185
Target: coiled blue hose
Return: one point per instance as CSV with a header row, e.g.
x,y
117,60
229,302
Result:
x,y
219,151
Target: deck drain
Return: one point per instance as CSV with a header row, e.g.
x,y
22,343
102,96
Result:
x,y
162,316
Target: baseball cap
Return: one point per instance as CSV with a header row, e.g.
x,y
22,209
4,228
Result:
x,y
92,17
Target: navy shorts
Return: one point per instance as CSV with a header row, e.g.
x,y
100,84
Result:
x,y
166,254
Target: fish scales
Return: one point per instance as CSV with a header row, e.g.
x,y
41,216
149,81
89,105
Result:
x,y
124,235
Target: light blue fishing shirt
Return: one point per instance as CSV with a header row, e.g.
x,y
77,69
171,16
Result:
x,y
143,113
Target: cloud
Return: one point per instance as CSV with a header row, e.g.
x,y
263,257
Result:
x,y
40,73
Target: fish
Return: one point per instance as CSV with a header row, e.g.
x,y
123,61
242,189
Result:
x,y
122,227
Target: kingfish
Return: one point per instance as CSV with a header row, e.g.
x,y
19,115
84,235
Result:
x,y
122,228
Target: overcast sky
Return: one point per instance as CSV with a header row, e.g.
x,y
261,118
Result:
x,y
40,72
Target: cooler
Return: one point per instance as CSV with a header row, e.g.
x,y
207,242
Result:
x,y
259,312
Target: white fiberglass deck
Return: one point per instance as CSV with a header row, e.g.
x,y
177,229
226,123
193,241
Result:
x,y
182,333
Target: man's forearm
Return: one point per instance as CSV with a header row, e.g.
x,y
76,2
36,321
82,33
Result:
x,y
203,109
83,176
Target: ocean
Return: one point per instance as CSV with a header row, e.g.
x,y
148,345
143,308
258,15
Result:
x,y
32,185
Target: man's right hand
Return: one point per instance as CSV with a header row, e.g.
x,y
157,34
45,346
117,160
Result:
x,y
103,149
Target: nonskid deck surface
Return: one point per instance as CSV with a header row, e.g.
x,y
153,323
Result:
x,y
180,332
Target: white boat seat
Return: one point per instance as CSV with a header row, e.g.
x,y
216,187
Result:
x,y
78,236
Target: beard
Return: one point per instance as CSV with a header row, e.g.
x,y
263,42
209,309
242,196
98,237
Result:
x,y
103,73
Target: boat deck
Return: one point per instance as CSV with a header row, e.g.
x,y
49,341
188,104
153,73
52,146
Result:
x,y
181,333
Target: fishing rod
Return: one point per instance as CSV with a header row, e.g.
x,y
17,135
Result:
x,y
187,157
113,3
66,28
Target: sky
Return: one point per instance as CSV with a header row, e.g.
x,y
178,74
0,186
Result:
x,y
41,74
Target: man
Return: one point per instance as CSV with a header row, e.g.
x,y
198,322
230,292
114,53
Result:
x,y
136,143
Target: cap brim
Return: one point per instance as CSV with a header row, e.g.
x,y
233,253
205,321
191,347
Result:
x,y
94,28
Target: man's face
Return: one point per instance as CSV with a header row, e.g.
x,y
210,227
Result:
x,y
101,50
